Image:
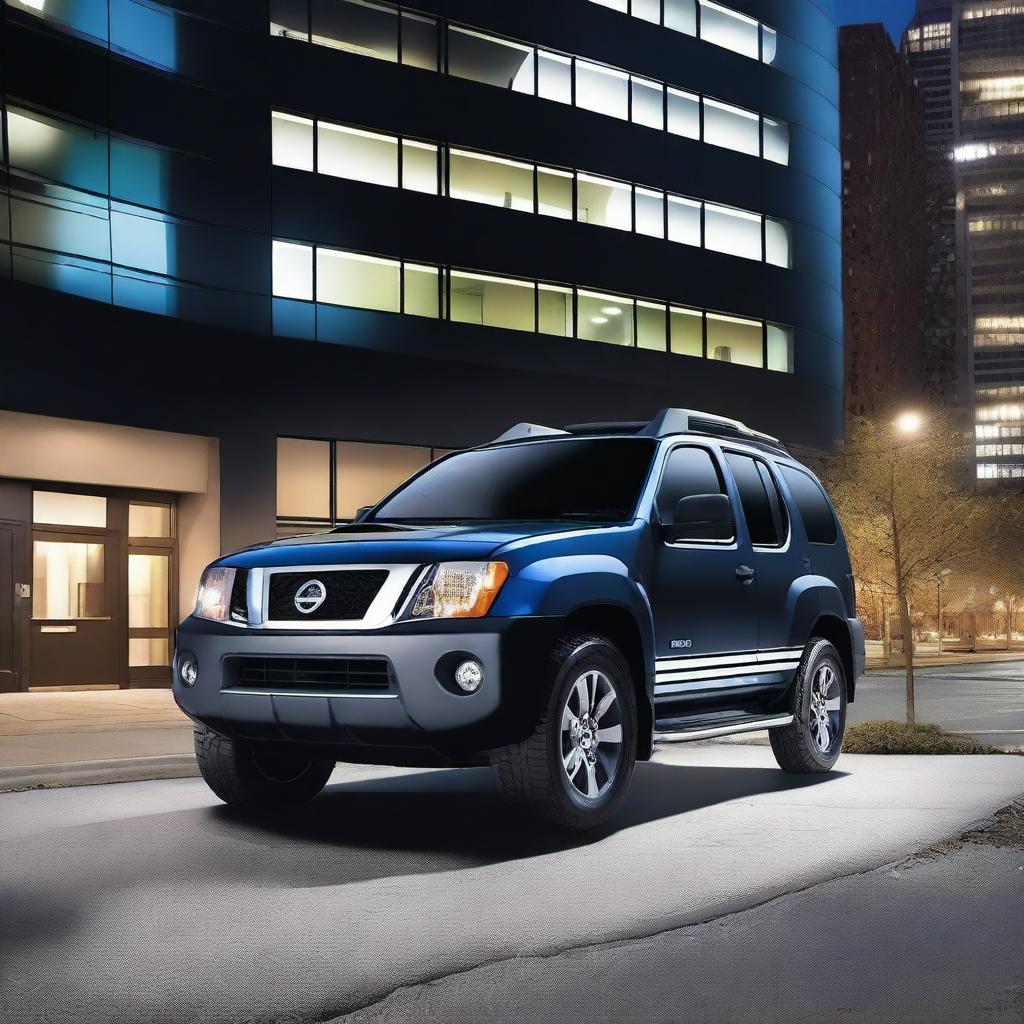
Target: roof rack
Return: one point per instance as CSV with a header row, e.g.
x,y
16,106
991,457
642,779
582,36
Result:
x,y
667,423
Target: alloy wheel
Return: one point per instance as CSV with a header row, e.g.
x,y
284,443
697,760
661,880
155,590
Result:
x,y
825,707
591,734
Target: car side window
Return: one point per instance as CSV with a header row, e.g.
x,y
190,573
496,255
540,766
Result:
x,y
814,508
689,471
759,500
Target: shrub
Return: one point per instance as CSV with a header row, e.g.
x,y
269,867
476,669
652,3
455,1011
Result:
x,y
901,738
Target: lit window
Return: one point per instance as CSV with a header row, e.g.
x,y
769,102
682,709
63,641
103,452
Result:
x,y
603,90
55,508
651,331
357,154
366,473
58,150
554,192
554,76
616,5
422,293
734,340
419,41
729,29
731,127
687,331
554,309
732,231
648,103
683,220
293,271
303,478
780,348
605,202
683,113
607,318
419,167
292,141
650,212
81,15
356,26
483,58
647,10
350,279
769,44
777,245
776,141
491,180
492,301
681,16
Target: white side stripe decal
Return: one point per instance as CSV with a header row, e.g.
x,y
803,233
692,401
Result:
x,y
720,673
712,661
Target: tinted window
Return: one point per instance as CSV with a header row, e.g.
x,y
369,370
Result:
x,y
588,479
688,471
813,506
757,505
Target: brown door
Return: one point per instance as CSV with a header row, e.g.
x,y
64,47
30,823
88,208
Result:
x,y
75,604
13,605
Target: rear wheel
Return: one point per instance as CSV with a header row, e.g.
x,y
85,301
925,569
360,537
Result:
x,y
575,768
258,776
814,739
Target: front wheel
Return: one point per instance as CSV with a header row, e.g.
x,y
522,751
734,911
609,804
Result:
x,y
812,741
575,768
258,776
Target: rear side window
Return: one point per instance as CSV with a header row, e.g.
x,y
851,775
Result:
x,y
688,471
761,506
815,511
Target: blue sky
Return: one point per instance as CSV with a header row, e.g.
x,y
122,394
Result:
x,y
895,13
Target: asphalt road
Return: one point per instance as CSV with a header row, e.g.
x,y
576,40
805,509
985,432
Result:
x,y
986,700
150,902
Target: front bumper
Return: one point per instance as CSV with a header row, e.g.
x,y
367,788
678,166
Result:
x,y
417,715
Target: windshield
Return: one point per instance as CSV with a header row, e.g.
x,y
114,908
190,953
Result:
x,y
587,479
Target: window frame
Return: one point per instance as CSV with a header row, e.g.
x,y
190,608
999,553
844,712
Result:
x,y
713,453
780,513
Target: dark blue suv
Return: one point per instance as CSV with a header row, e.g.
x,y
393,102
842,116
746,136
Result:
x,y
551,603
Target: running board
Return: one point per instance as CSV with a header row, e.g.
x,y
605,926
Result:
x,y
684,735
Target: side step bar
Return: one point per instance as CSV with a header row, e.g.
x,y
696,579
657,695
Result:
x,y
684,735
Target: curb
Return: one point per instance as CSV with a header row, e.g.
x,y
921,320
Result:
x,y
97,773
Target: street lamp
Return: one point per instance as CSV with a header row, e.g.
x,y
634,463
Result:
x,y
909,422
942,574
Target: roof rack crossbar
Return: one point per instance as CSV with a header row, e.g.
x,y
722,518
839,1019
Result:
x,y
683,421
523,431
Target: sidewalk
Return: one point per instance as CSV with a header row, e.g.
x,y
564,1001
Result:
x,y
86,737
946,659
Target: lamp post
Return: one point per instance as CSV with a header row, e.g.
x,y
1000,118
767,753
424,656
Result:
x,y
938,587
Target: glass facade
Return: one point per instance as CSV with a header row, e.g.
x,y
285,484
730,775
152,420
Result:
x,y
527,187
370,282
714,23
564,78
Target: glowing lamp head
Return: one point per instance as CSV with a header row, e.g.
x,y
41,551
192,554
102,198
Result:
x,y
909,422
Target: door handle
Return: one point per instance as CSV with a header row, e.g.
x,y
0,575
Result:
x,y
745,574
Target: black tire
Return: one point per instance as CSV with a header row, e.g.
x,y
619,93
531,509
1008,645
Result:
x,y
535,775
258,776
798,747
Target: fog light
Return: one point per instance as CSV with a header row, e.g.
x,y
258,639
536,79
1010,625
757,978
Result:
x,y
469,675
188,670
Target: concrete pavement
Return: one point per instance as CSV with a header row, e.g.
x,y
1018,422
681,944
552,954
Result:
x,y
985,700
65,738
150,902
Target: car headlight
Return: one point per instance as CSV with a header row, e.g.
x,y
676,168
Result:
x,y
458,590
214,598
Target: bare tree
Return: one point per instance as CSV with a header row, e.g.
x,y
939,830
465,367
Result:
x,y
909,512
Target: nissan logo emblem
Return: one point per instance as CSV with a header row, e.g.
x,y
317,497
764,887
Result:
x,y
310,596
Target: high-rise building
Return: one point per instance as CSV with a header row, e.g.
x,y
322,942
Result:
x,y
968,56
885,235
261,261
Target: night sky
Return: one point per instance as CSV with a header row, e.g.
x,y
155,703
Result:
x,y
895,13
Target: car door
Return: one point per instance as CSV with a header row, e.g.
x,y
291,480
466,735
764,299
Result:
x,y
704,596
776,560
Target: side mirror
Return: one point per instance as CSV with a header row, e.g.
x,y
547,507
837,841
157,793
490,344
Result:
x,y
701,517
362,513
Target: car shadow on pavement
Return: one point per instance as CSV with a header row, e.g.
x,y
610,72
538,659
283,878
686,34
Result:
x,y
449,819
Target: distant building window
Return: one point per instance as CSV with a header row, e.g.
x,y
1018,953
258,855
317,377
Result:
x,y
350,279
735,232
729,29
487,59
492,301
603,90
292,141
732,127
357,154
735,340
293,271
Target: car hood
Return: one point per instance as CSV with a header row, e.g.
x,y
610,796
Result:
x,y
355,545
